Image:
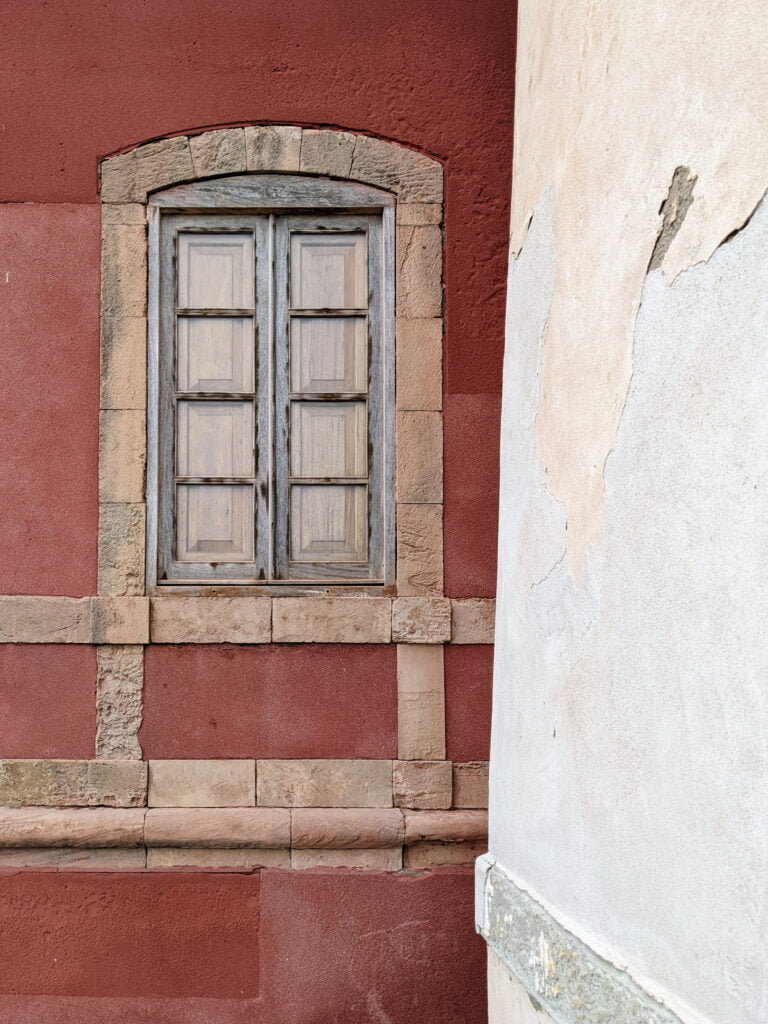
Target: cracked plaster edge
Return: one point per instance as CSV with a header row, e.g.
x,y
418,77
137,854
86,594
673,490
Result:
x,y
574,980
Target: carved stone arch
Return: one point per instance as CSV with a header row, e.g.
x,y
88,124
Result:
x,y
416,183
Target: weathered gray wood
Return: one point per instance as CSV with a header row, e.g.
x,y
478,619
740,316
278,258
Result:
x,y
273,192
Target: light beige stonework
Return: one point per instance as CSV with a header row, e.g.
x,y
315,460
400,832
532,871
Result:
x,y
123,363
367,860
123,270
414,178
218,152
272,148
420,550
209,620
445,826
326,152
119,701
122,455
36,620
422,784
93,827
419,457
470,784
419,271
75,860
344,620
56,783
324,783
472,620
170,859
419,214
210,783
127,178
218,828
421,620
346,828
424,856
123,213
122,533
119,620
420,703
419,365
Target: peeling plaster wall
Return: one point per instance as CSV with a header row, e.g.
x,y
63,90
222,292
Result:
x,y
630,736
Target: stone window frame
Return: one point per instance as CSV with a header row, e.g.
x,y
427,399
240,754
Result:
x,y
416,183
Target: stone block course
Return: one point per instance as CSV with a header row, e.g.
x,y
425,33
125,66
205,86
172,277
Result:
x,y
331,620
54,783
425,856
369,860
218,828
203,620
422,784
30,620
324,783
346,828
93,827
119,620
445,826
472,620
184,783
71,859
470,784
175,859
421,620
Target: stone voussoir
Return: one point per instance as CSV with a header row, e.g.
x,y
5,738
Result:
x,y
218,828
346,828
272,147
128,177
421,620
218,152
412,176
326,152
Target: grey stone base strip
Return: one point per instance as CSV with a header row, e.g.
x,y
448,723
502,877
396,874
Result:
x,y
571,982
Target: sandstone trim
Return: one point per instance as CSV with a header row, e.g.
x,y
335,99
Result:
x,y
74,620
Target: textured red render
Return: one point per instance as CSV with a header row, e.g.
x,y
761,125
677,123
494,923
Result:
x,y
49,391
468,684
124,935
308,700
47,704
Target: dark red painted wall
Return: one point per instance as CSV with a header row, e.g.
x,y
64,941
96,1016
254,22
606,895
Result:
x,y
468,685
81,79
304,947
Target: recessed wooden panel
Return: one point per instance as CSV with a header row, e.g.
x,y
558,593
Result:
x,y
328,439
215,439
214,523
329,354
216,271
215,354
328,523
328,271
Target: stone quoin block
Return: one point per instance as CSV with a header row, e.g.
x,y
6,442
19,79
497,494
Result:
x,y
210,783
419,271
326,152
420,703
472,620
218,152
470,784
128,178
414,178
218,828
55,783
346,828
208,620
419,550
272,148
422,784
421,620
419,457
366,860
119,701
419,365
342,620
122,536
324,783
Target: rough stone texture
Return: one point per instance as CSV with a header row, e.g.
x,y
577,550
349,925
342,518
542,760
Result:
x,y
218,828
75,860
122,533
419,364
420,703
169,859
368,860
35,620
419,270
509,999
414,178
123,213
346,828
422,784
419,457
421,620
123,363
201,620
55,783
119,693
569,979
122,455
218,152
419,550
419,214
120,620
425,856
124,270
445,826
211,783
272,148
326,152
470,784
92,828
472,620
127,178
327,783
343,620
